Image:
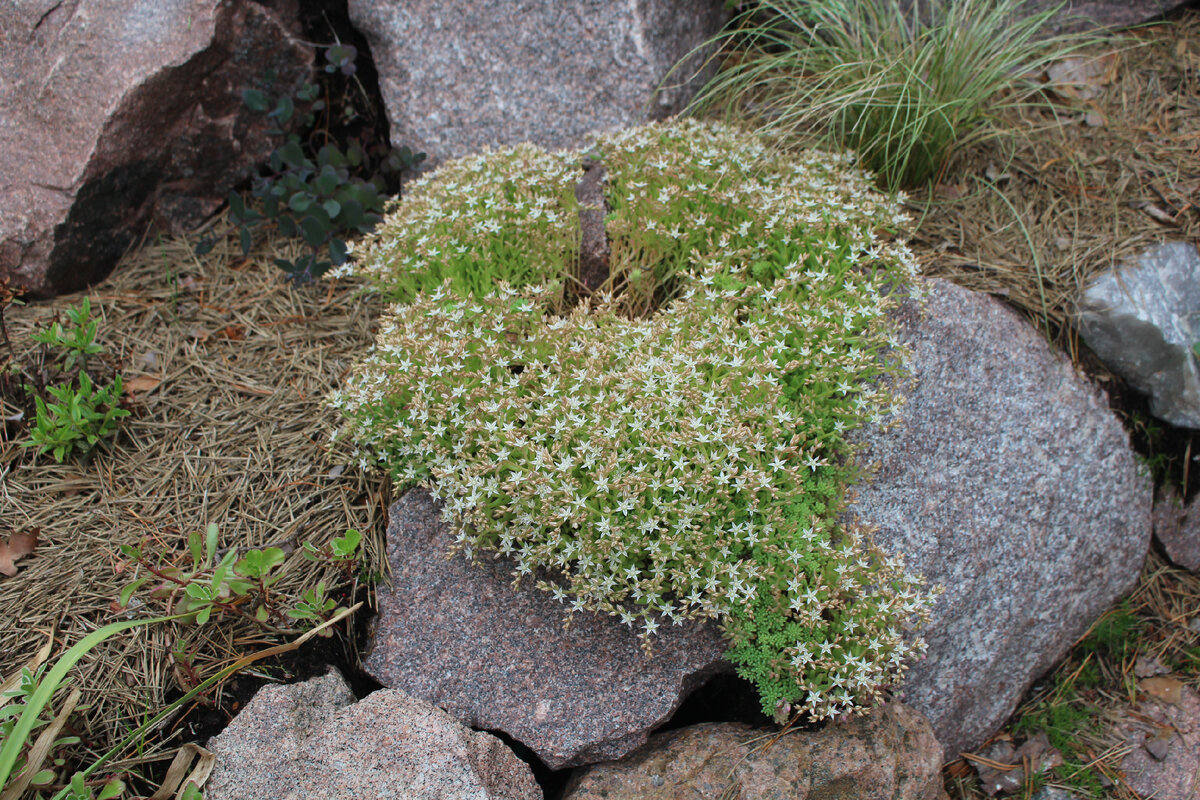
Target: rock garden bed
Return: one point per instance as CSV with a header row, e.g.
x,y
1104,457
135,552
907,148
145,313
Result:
x,y
248,483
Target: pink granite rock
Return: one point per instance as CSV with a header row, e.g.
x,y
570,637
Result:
x,y
311,740
457,635
890,754
1177,529
116,113
1164,762
459,75
1011,483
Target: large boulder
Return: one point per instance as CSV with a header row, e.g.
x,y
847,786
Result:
x,y
889,754
1142,320
1009,482
116,113
311,740
457,635
459,75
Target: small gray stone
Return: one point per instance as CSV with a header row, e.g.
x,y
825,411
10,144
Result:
x,y
1142,320
1011,483
460,75
311,740
457,635
1052,793
888,754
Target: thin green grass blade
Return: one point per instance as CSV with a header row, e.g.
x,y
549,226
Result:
x,y
49,684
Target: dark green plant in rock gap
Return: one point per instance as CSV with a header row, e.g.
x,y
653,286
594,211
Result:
x,y
313,187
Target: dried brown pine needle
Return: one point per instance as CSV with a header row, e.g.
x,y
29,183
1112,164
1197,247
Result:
x,y
227,367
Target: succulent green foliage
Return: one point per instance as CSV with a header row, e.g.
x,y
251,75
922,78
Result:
x,y
507,217
675,448
320,195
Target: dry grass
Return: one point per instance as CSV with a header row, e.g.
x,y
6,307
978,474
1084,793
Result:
x,y
233,434
1033,218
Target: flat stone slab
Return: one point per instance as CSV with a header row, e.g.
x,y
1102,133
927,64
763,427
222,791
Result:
x,y
1011,483
888,754
458,636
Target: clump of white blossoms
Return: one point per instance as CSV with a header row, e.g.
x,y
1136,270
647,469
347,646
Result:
x,y
677,447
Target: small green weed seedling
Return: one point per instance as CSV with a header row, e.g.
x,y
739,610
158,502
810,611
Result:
x,y
314,607
77,413
79,339
233,585
80,416
342,552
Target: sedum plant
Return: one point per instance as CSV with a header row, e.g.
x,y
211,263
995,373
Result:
x,y
676,447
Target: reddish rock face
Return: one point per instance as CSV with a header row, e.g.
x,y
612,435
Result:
x,y
458,636
890,754
118,113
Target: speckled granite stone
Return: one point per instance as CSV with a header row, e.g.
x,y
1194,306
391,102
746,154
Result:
x,y
459,75
1012,484
117,113
457,635
311,740
890,754
1164,739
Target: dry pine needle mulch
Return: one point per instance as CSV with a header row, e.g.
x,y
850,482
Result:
x,y
225,366
1111,170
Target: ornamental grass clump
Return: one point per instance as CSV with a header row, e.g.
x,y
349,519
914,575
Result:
x,y
904,84
676,447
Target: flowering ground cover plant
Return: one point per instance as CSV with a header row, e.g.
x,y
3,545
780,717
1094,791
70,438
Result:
x,y
676,446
